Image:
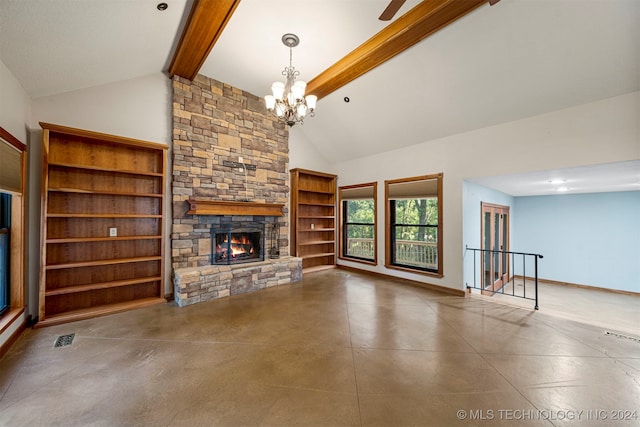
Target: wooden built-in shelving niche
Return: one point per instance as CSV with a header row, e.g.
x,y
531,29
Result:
x,y
93,184
313,218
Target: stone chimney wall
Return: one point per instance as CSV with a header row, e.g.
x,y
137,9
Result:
x,y
214,123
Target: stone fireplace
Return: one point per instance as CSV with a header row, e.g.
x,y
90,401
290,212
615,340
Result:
x,y
230,193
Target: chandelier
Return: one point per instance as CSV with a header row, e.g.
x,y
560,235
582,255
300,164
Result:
x,y
288,102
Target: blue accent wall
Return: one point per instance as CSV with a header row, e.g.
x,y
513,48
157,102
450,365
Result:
x,y
588,239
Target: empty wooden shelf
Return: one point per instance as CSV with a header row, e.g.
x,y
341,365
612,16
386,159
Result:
x,y
313,218
102,224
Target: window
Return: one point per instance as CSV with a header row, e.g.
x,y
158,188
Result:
x,y
358,226
12,178
414,224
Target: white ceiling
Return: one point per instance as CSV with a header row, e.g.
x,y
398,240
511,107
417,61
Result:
x,y
500,63
607,177
55,46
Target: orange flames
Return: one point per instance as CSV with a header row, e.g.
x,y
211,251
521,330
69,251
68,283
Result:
x,y
239,246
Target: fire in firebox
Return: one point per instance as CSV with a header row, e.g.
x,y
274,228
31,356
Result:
x,y
237,246
241,247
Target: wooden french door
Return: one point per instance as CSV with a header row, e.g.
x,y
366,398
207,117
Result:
x,y
495,238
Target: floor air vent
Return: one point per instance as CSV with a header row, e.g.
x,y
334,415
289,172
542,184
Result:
x,y
64,340
624,337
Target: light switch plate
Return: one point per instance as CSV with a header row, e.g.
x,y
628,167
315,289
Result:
x,y
113,232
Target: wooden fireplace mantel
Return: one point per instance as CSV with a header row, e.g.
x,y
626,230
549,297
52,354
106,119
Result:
x,y
225,207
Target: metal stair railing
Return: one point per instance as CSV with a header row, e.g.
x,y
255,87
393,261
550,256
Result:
x,y
482,254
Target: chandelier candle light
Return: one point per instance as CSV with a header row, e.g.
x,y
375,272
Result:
x,y
288,102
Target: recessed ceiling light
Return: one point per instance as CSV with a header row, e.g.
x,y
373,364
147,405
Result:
x,y
162,6
562,189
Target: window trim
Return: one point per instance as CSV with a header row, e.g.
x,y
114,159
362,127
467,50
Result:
x,y
17,283
387,227
375,223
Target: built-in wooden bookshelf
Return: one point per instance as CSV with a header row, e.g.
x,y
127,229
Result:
x,y
102,224
313,218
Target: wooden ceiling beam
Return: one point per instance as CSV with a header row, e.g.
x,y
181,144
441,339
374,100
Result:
x,y
420,22
206,21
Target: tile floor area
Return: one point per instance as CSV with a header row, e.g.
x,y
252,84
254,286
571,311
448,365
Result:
x,y
337,349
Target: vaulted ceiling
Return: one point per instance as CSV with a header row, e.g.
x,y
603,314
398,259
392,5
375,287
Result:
x,y
516,59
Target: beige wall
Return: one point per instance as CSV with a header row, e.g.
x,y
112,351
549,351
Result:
x,y
15,109
600,132
15,105
302,154
138,108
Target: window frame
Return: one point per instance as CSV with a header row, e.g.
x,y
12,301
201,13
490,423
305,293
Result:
x,y
342,222
17,284
389,235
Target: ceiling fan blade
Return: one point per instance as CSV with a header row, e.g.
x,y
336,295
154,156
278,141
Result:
x,y
391,10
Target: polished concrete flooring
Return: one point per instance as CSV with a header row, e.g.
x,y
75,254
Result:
x,y
598,307
337,349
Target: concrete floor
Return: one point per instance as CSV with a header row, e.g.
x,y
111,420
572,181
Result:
x,y
337,349
597,307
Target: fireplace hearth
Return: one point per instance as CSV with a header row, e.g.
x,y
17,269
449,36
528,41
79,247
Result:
x,y
243,255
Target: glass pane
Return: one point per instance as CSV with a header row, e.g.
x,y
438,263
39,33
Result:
x,y
505,246
416,246
5,227
360,211
417,211
4,269
496,257
486,244
359,241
